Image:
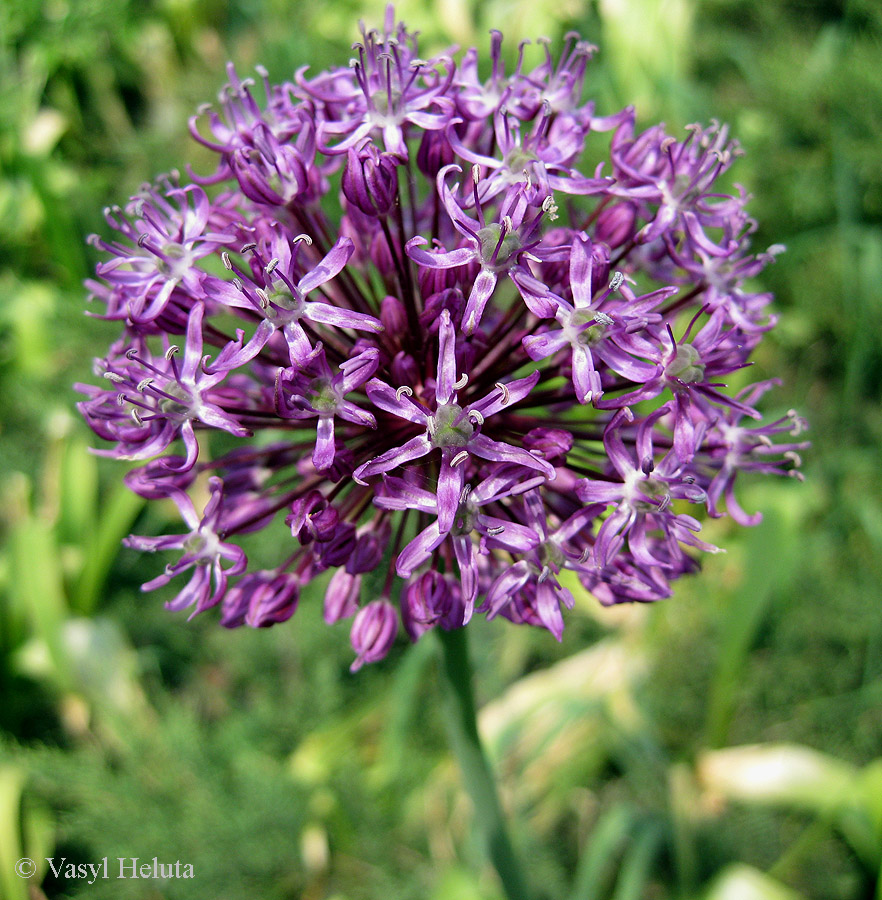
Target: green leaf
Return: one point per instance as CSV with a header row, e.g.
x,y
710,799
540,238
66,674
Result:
x,y
601,851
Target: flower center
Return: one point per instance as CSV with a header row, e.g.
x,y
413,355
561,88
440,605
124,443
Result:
x,y
323,399
686,366
446,431
517,159
181,407
655,490
489,237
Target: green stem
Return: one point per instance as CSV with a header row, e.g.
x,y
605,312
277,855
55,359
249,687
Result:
x,y
459,705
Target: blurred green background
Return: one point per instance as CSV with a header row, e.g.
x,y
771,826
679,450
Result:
x,y
724,744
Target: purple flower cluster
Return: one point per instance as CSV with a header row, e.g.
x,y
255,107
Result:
x,y
440,351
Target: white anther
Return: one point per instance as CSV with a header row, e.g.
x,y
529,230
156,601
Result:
x,y
460,458
475,417
137,418
430,426
417,63
765,440
544,575
121,399
506,395
144,383
142,239
247,248
584,556
116,379
476,173
617,280
496,529
262,298
271,265
173,350
464,495
461,382
225,258
664,503
403,391
603,318
548,203
688,479
238,285
302,237
507,224
794,457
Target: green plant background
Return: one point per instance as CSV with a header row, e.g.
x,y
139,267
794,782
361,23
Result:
x,y
724,744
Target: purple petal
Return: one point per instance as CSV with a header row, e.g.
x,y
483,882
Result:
x,y
444,389
330,266
495,451
397,403
419,550
397,456
481,292
450,485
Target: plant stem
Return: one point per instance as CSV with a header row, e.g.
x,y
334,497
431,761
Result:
x,y
459,705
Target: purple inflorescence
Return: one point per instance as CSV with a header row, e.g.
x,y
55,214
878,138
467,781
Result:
x,y
455,365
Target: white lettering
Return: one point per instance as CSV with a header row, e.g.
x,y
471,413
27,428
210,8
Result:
x,y
51,861
122,867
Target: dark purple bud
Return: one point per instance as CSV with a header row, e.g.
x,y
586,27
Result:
x,y
393,315
343,464
599,268
341,597
157,480
373,632
615,224
260,600
312,518
273,601
428,599
339,547
369,550
370,181
552,443
434,153
452,300
433,281
404,368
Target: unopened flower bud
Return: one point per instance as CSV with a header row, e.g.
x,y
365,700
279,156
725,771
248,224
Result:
x,y
312,518
428,599
434,153
615,224
373,632
341,596
370,181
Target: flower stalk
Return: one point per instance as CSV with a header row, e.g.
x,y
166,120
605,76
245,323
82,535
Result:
x,y
462,726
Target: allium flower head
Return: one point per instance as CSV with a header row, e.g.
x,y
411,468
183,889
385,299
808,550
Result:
x,y
425,367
